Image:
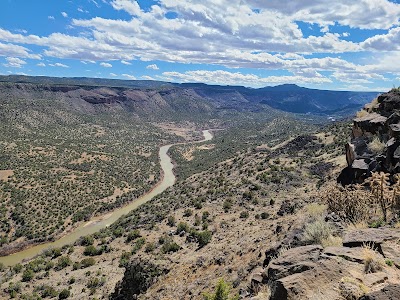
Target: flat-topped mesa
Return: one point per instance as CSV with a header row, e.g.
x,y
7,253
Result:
x,y
375,140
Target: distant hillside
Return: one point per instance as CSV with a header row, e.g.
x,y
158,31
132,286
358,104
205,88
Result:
x,y
287,97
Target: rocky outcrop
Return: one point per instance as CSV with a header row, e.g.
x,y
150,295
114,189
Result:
x,y
375,140
336,272
390,292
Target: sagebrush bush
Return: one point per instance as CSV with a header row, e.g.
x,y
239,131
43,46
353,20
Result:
x,y
317,231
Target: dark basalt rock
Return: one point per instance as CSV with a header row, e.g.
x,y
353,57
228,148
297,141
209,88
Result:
x,y
390,292
381,124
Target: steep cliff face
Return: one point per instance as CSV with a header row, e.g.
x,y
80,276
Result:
x,y
375,140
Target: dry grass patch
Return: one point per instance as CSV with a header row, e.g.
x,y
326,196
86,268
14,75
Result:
x,y
332,241
376,146
372,262
362,113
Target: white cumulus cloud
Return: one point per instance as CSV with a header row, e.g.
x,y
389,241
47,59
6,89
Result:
x,y
152,67
14,62
129,76
125,62
58,65
106,65
64,14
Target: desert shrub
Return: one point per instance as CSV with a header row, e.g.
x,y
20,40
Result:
x,y
87,241
171,221
202,237
351,203
49,265
92,250
169,246
47,291
124,259
222,291
205,216
227,205
13,289
55,252
244,215
150,247
264,215
138,244
187,213
133,235
317,231
27,275
389,262
63,262
87,262
95,282
64,294
17,268
197,220
182,227
376,223
118,232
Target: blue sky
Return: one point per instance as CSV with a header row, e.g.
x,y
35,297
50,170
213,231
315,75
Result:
x,y
313,43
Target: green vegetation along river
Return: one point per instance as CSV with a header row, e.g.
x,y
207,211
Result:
x,y
98,223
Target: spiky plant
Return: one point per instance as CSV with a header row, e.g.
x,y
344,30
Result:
x,y
351,203
379,183
396,193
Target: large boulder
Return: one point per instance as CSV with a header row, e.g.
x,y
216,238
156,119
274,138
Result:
x,y
369,236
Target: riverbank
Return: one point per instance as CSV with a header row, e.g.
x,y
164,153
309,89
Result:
x,y
97,223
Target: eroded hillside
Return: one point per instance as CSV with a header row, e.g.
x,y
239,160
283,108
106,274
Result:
x,y
69,153
214,224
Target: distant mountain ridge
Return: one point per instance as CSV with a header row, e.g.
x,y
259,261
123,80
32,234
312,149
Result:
x,y
286,97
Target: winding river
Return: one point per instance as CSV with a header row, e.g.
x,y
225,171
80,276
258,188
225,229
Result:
x,y
98,223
